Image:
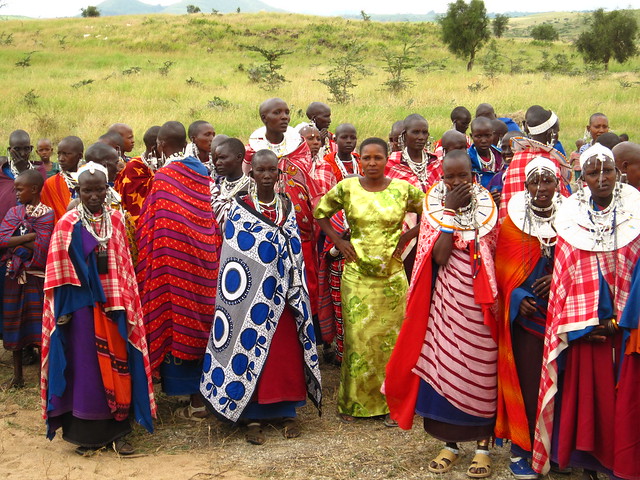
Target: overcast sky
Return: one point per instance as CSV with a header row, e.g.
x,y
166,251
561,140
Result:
x,y
61,8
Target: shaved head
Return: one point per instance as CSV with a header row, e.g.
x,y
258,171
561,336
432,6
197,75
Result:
x,y
485,110
455,156
101,153
627,157
31,176
413,118
19,137
151,136
454,140
127,135
270,104
317,108
173,135
74,143
345,127
481,122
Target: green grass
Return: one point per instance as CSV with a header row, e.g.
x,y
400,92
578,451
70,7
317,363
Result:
x,y
208,49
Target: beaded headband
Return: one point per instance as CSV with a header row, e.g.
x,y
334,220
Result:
x,y
544,126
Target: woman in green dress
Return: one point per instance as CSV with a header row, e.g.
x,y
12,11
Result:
x,y
374,284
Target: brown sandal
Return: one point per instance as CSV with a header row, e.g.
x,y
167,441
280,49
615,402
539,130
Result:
x,y
291,428
255,435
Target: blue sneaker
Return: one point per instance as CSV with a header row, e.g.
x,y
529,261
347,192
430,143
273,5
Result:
x,y
521,469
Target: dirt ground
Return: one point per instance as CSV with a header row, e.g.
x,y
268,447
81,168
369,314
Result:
x,y
180,449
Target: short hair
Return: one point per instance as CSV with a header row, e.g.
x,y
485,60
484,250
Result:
x,y
414,117
235,145
195,126
32,177
456,154
458,111
624,137
76,142
375,141
98,152
344,126
480,122
112,137
314,107
609,140
264,153
596,115
19,136
151,136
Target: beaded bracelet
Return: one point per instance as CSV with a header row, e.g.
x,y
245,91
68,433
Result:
x,y
446,230
449,211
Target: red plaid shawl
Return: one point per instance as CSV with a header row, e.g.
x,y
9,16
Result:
x,y
573,306
526,150
327,174
119,285
397,168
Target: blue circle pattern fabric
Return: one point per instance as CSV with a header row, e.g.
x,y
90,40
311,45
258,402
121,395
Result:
x,y
261,271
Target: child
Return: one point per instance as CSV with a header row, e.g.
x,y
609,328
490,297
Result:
x,y
44,149
486,159
25,233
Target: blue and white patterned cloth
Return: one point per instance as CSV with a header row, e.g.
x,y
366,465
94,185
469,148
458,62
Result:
x,y
261,271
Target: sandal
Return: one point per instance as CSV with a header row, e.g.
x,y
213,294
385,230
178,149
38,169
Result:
x,y
481,461
122,447
86,451
389,422
344,418
191,413
291,428
445,460
254,434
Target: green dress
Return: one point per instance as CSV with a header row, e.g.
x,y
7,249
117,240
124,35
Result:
x,y
373,289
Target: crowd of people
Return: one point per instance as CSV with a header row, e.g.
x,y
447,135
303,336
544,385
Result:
x,y
486,283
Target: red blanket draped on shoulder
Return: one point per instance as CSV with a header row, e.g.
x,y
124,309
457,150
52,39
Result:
x,y
177,266
511,271
401,384
133,184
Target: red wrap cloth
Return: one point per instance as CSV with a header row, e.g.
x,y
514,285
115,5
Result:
x,y
401,384
516,256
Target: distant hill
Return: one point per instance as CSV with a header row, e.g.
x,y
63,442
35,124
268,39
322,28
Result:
x,y
134,7
223,6
126,7
396,17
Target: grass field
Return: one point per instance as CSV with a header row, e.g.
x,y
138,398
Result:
x,y
85,74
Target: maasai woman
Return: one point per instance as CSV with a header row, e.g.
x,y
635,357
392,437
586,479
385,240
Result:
x,y
25,234
444,364
374,284
95,366
588,402
524,262
261,359
418,167
177,269
201,134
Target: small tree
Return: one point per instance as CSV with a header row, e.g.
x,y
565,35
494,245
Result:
x,y
465,28
397,66
90,11
544,33
365,17
271,78
346,68
193,9
500,25
610,35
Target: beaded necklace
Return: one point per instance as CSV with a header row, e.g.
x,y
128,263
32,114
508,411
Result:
x,y
99,226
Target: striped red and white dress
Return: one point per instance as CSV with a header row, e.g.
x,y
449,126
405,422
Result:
x,y
459,356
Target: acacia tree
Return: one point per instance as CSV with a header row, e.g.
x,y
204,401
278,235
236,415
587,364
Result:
x,y
610,35
499,25
90,11
465,28
545,33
